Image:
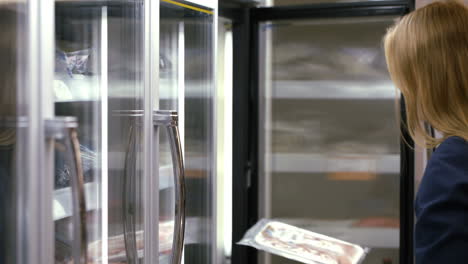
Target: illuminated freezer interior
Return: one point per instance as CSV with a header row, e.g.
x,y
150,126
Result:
x,y
99,79
329,132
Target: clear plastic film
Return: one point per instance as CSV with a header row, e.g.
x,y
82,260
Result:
x,y
301,245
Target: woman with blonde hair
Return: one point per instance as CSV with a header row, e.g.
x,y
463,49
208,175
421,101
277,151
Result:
x,y
427,57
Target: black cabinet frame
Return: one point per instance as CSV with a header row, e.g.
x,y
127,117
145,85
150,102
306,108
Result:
x,y
246,19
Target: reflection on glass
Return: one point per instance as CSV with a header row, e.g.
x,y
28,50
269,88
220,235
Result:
x,y
125,88
98,80
199,138
12,161
186,85
330,138
170,63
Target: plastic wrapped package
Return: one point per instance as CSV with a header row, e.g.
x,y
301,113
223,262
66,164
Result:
x,y
116,245
89,161
75,77
301,245
75,62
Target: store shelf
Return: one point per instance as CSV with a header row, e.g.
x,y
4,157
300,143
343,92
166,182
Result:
x,y
332,90
63,207
62,203
195,233
315,163
87,88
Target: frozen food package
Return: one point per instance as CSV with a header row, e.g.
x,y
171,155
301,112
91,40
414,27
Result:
x,y
89,160
116,245
74,62
301,245
78,61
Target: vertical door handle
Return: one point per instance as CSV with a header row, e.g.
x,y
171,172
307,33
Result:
x,y
129,213
129,210
65,128
169,120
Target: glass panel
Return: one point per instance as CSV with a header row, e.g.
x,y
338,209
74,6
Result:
x,y
171,83
99,80
126,89
199,137
13,136
186,85
329,137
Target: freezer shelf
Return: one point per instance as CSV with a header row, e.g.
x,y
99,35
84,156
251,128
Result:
x,y
63,197
316,163
83,88
193,235
63,200
336,89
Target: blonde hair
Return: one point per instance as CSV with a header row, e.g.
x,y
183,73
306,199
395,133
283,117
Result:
x,y
427,57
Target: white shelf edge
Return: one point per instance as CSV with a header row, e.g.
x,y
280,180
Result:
x,y
315,163
62,200
285,89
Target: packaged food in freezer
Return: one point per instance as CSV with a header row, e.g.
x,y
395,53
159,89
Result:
x,y
74,62
116,245
301,245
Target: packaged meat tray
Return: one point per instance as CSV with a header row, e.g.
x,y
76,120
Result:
x,y
301,245
116,245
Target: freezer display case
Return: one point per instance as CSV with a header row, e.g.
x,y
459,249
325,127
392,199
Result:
x,y
329,138
106,141
185,90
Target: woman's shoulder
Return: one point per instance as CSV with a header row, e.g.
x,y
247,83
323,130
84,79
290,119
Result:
x,y
452,147
441,205
446,171
450,159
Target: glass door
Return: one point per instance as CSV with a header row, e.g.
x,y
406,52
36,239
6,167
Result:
x,y
25,182
99,84
329,140
186,87
14,165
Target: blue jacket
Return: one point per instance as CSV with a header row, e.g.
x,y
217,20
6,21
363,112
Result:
x,y
441,234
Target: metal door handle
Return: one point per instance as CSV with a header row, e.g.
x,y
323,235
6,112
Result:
x,y
129,184
129,209
65,128
169,120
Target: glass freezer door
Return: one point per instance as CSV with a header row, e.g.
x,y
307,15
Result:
x,y
15,196
98,80
186,87
329,137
